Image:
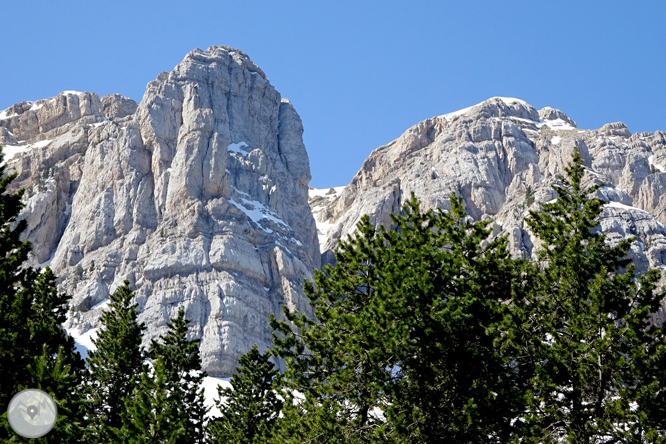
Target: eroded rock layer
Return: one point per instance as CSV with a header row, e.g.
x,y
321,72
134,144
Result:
x,y
197,197
503,156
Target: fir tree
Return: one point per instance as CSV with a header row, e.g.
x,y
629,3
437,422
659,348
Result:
x,y
583,335
402,344
117,357
251,406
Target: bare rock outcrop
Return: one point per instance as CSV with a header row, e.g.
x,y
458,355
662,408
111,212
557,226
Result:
x,y
197,197
502,156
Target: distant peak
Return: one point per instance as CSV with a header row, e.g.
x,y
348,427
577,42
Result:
x,y
498,107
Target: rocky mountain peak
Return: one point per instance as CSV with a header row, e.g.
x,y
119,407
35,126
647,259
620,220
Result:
x,y
197,197
503,157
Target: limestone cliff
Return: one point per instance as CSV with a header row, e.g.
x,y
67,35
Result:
x,y
491,154
198,197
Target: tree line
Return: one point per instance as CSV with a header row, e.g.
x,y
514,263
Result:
x,y
427,332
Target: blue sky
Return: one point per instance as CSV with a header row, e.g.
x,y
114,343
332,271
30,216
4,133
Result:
x,y
358,72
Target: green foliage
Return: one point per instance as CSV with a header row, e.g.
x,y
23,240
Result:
x,y
182,364
52,375
154,411
117,357
529,196
250,408
582,333
402,344
34,349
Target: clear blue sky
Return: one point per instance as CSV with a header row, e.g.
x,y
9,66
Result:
x,y
358,72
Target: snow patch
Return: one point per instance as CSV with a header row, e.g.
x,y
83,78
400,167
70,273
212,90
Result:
x,y
623,207
314,192
4,115
102,304
71,93
42,143
555,140
257,211
557,124
12,150
83,341
651,162
209,385
238,148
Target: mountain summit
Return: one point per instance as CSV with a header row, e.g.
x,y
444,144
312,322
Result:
x,y
197,197
503,156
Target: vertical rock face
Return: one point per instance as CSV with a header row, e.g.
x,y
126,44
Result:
x,y
198,198
491,154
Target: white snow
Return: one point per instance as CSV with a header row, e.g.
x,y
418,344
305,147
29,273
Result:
x,y
71,93
511,100
555,140
257,211
651,162
83,341
102,304
47,262
557,124
210,393
623,206
35,106
283,247
12,150
41,144
313,192
4,115
238,148
507,100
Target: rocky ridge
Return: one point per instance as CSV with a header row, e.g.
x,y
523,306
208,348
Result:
x,y
502,156
197,196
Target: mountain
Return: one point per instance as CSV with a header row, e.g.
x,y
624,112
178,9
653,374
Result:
x,y
503,156
197,196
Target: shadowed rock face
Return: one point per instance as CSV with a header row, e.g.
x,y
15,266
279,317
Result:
x,y
490,154
198,198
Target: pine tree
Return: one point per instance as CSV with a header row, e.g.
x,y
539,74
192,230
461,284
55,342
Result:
x,y
402,344
251,406
168,401
117,357
55,377
183,364
154,411
582,333
15,296
35,351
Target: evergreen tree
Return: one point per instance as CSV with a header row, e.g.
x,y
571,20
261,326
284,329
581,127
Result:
x,y
15,296
251,406
586,346
55,377
154,411
402,344
35,351
117,357
168,401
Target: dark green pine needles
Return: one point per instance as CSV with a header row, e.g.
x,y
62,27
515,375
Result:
x,y
251,406
591,359
403,346
117,358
